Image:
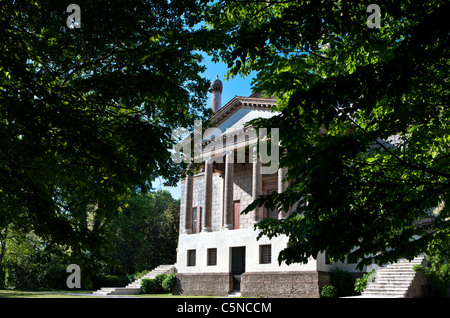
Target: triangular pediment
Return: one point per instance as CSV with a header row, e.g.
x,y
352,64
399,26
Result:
x,y
240,110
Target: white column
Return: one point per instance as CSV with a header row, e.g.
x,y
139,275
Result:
x,y
228,191
256,187
188,192
207,199
281,174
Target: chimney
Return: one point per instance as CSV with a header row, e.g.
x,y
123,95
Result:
x,y
216,91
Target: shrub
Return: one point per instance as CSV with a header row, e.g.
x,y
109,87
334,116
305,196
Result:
x,y
328,291
113,281
160,278
418,268
361,283
149,286
438,274
344,282
138,275
169,283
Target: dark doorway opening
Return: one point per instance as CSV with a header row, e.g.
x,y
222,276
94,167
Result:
x,y
237,265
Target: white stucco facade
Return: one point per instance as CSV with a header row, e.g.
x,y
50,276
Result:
x,y
208,249
223,241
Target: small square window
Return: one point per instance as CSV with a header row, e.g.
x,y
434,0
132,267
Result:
x,y
265,254
191,254
212,256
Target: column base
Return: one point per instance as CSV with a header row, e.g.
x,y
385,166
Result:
x,y
228,227
206,229
187,231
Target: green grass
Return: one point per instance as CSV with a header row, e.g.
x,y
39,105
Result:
x,y
69,294
43,294
172,296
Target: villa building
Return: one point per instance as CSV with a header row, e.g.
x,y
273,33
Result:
x,y
218,250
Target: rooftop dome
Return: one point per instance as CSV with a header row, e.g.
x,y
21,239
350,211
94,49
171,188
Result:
x,y
216,84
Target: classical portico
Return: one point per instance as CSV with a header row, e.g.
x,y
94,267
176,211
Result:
x,y
219,249
228,200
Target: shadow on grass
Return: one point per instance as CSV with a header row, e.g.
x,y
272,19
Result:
x,y
81,294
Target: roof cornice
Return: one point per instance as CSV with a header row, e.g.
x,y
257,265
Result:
x,y
238,102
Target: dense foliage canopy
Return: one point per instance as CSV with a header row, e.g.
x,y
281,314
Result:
x,y
144,236
364,122
86,113
86,116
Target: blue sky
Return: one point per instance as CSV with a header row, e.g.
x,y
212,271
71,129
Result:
x,y
236,86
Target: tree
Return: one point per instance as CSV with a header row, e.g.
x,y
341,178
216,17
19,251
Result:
x,y
142,237
145,235
363,120
28,264
86,113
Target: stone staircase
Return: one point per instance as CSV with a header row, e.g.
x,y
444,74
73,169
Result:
x,y
161,269
134,288
393,280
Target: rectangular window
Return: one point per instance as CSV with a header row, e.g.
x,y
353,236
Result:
x,y
196,219
236,214
212,256
191,257
265,254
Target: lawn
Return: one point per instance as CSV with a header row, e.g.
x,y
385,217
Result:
x,y
43,294
79,294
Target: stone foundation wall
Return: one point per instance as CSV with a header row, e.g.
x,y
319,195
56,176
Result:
x,y
205,284
276,284
283,284
418,287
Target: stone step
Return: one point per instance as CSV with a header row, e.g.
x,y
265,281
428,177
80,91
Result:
x,y
396,270
386,288
383,294
134,288
385,291
162,269
401,265
392,280
106,291
393,276
417,259
390,283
